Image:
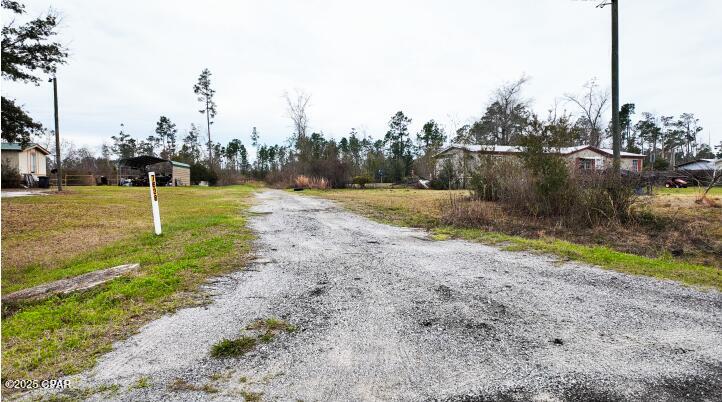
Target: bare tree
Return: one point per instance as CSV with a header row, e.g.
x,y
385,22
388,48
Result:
x,y
513,108
715,178
705,180
296,109
593,102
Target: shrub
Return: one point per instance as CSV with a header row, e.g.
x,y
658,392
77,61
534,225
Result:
x,y
543,185
437,184
602,197
361,181
201,173
226,177
10,176
494,177
468,212
504,180
447,175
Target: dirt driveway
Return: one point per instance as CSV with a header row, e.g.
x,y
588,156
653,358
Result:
x,y
384,313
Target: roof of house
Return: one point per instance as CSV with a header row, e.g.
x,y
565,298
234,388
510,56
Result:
x,y
511,149
141,161
13,146
699,164
147,160
180,164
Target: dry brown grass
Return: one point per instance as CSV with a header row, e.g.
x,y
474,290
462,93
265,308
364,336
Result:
x,y
41,230
419,208
311,182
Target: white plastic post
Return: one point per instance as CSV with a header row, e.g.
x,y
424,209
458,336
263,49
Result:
x,y
154,202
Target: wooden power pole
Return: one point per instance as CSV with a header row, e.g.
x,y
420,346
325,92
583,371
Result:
x,y
58,161
616,129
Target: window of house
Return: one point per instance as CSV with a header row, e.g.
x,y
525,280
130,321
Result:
x,y
586,164
635,165
33,162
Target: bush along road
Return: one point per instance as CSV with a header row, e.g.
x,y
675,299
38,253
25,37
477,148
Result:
x,y
338,307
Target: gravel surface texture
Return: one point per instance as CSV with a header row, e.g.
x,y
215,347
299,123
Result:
x,y
385,313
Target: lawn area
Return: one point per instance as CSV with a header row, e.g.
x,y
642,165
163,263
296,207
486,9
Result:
x,y
46,238
620,249
689,191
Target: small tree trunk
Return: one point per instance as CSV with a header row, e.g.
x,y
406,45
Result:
x,y
210,144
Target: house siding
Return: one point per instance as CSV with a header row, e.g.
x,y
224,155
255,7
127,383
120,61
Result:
x,y
606,160
23,161
26,162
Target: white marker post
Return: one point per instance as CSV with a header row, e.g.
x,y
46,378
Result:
x,y
154,202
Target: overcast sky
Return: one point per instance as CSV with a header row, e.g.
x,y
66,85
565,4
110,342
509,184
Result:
x,y
133,61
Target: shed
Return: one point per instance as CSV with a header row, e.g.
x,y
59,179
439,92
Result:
x,y
134,171
181,173
30,160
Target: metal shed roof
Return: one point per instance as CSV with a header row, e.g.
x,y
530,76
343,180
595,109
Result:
x,y
699,164
180,164
13,146
141,161
147,160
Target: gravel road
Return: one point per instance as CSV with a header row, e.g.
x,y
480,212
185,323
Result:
x,y
384,313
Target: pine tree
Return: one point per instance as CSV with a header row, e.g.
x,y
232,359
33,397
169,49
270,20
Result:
x,y
205,96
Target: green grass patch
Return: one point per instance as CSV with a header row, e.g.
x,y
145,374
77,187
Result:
x,y
204,234
265,331
233,347
714,191
143,382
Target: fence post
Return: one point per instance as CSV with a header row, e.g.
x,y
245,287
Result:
x,y
154,202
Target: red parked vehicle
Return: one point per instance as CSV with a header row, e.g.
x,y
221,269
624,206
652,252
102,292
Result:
x,y
675,183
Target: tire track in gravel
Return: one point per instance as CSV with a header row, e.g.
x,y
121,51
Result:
x,y
384,314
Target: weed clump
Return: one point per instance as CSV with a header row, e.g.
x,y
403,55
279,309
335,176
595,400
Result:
x,y
233,347
182,385
266,329
249,396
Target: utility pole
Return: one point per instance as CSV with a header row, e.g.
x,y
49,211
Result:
x,y
616,135
58,161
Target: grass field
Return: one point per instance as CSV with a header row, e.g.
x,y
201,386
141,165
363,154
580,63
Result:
x,y
424,208
690,191
46,238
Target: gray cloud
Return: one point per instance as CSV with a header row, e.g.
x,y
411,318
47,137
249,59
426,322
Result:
x,y
133,61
